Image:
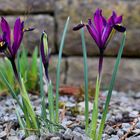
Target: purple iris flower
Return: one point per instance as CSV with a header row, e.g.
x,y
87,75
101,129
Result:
x,y
45,53
6,46
101,30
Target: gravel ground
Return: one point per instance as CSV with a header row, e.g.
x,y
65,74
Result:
x,y
123,119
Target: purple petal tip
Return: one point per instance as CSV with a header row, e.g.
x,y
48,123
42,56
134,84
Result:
x,y
78,27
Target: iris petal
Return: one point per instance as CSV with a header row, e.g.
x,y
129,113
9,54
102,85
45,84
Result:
x,y
106,32
78,27
42,49
98,21
93,34
6,29
119,28
118,20
18,35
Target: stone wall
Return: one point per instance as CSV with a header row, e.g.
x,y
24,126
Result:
x,y
50,15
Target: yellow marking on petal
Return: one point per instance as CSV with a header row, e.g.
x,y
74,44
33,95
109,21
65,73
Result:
x,y
111,36
24,29
2,43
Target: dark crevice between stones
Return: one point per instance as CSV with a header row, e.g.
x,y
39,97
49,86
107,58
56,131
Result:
x,y
66,71
13,13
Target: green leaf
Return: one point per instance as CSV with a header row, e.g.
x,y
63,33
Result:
x,y
23,61
32,76
51,104
58,68
112,83
28,105
11,90
95,111
85,78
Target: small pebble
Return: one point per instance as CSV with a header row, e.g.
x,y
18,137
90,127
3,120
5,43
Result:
x,y
12,138
3,135
68,134
32,137
114,137
77,136
125,127
120,133
12,132
138,125
109,130
133,114
105,137
118,117
55,138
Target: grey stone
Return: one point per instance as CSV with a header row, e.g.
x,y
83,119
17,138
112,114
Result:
x,y
120,133
133,138
134,114
43,137
12,132
55,138
105,136
138,125
78,129
125,127
118,117
77,136
32,137
114,137
3,134
13,138
109,130
68,134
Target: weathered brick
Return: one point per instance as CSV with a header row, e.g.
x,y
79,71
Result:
x,y
25,6
83,9
127,77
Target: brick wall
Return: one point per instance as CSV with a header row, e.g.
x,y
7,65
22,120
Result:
x,y
50,15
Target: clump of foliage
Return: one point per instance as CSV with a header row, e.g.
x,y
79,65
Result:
x,y
29,71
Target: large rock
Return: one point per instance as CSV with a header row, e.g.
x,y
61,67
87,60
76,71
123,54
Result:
x,y
40,23
82,10
26,6
127,77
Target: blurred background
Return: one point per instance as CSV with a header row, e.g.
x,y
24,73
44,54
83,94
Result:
x,y
50,15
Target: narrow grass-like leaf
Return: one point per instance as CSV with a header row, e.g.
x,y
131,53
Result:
x,y
11,90
51,104
28,105
95,111
111,87
34,61
85,78
33,72
23,62
58,69
21,123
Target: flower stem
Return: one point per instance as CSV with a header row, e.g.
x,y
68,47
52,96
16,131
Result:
x,y
100,66
15,70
